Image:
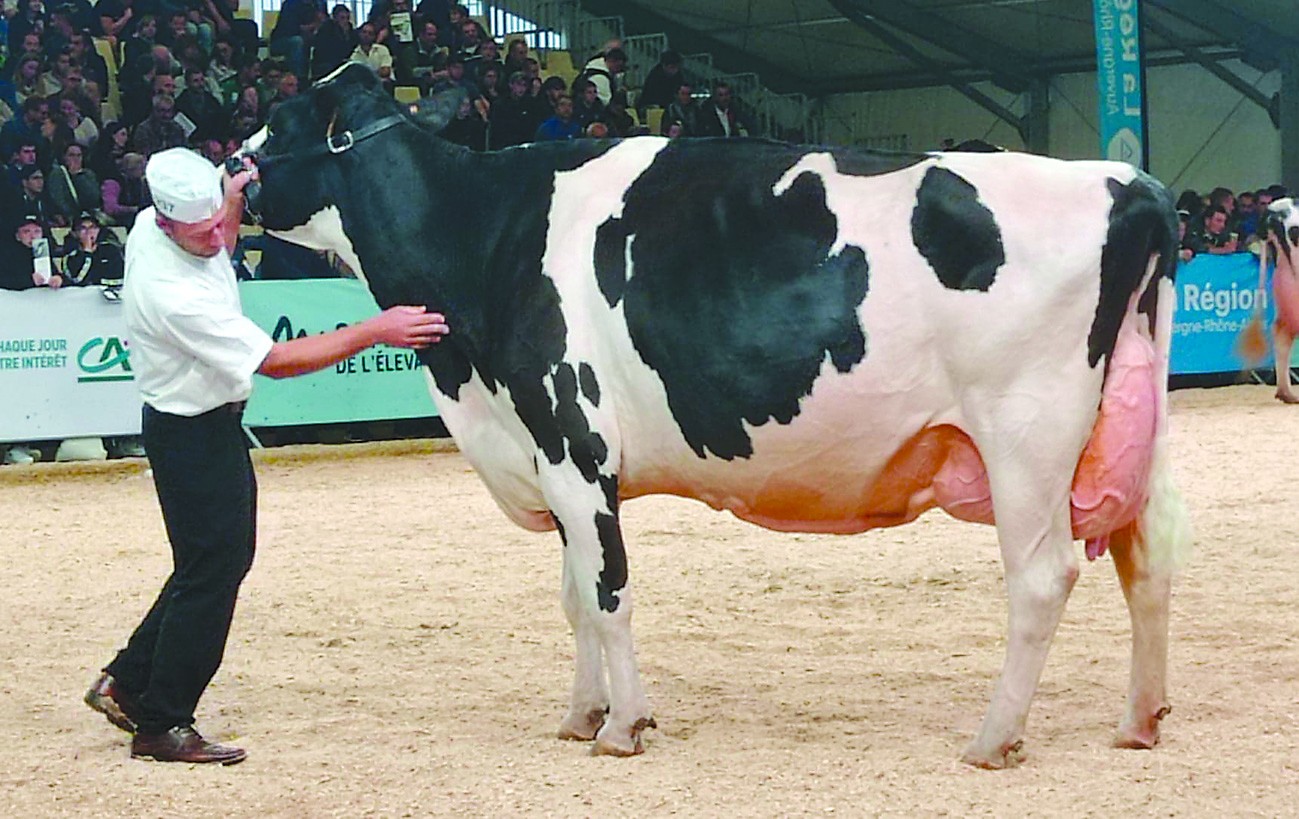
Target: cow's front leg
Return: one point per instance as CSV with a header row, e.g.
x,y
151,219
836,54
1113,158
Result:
x,y
590,697
1037,549
597,600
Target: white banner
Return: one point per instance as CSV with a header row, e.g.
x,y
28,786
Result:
x,y
64,368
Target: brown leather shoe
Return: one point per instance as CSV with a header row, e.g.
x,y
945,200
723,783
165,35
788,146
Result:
x,y
108,698
183,744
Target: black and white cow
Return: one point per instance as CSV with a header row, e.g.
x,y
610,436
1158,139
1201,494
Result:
x,y
815,339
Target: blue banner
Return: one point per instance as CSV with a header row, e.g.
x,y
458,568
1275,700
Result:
x,y
1216,299
1120,80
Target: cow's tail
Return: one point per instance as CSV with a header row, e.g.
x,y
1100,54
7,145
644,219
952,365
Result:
x,y
1163,527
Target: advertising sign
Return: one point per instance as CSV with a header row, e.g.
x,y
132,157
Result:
x,y
1120,78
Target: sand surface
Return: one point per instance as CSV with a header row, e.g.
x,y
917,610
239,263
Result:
x,y
399,650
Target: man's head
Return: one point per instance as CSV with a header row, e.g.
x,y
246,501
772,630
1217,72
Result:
x,y
489,50
517,50
616,60
341,15
1215,219
518,84
223,52
196,80
186,191
29,230
722,95
564,107
31,43
367,34
553,88
469,30
164,84
74,156
73,80
589,93
288,85
164,106
1245,203
35,110
685,93
33,180
177,24
87,228
671,62
455,68
428,35
26,153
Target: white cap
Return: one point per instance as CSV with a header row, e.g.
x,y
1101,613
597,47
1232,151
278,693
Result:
x,y
185,186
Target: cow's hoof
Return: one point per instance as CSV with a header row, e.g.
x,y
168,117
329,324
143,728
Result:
x,y
1287,397
583,726
607,745
1141,735
1007,756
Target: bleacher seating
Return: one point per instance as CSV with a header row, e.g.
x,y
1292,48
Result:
x,y
406,93
654,119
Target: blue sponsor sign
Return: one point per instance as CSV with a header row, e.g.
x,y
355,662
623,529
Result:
x,y
1216,300
1120,79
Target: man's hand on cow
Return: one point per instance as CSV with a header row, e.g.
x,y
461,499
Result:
x,y
233,185
408,326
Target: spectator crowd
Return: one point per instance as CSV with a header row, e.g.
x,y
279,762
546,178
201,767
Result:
x,y
1224,221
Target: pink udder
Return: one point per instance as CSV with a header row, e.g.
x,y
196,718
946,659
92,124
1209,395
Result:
x,y
1109,486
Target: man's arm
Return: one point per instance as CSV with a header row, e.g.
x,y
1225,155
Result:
x,y
402,326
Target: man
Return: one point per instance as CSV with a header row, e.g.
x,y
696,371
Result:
x,y
30,199
202,109
682,112
718,117
1214,237
423,62
561,125
160,131
374,54
194,355
660,88
603,71
17,259
512,119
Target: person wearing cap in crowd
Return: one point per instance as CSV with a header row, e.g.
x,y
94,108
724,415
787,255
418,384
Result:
x,y
17,265
30,199
512,119
194,354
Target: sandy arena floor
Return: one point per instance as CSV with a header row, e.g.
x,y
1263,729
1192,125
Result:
x,y
400,651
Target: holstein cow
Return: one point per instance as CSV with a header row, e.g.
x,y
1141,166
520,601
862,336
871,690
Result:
x,y
815,339
1283,236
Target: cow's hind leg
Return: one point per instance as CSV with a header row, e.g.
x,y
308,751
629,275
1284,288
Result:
x,y
1029,470
1282,344
598,602
1147,587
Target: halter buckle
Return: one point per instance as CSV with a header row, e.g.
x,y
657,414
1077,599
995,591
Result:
x,y
339,143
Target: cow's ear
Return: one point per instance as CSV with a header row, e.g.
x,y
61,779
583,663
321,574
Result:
x,y
436,111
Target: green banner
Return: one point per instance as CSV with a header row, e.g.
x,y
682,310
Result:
x,y
380,383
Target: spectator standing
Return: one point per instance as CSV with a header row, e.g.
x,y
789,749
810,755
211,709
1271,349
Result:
x,y
1247,214
603,71
718,117
335,41
293,33
660,89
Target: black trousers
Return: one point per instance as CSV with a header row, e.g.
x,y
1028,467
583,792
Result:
x,y
208,494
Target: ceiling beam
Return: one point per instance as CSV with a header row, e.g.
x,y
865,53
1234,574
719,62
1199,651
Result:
x,y
1263,48
1220,71
1009,67
898,44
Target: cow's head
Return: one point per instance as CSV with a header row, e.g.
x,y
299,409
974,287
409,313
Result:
x,y
1283,228
302,153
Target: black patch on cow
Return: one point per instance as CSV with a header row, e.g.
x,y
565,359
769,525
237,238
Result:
x,y
955,233
587,449
590,385
734,299
613,577
872,163
559,524
609,485
1142,221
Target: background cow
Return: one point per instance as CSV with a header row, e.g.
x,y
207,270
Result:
x,y
815,339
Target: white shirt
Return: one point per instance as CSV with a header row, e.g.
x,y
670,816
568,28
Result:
x,y
379,56
191,346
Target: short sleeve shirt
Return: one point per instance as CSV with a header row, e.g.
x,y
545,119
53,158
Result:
x,y
191,346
